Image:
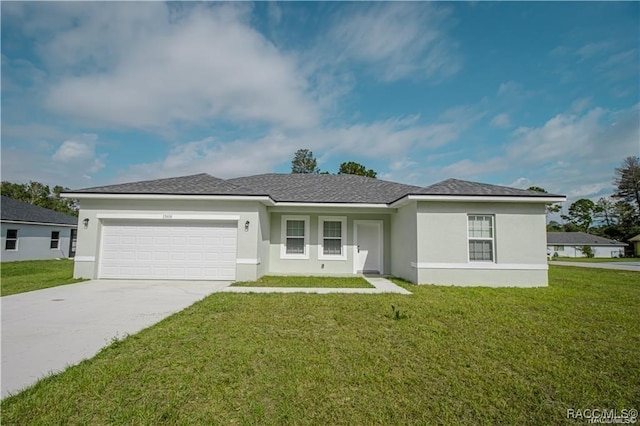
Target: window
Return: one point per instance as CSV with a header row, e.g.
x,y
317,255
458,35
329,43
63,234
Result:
x,y
11,242
481,238
295,237
558,248
332,232
55,240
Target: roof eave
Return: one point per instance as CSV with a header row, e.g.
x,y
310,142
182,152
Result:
x,y
147,196
331,204
26,222
479,199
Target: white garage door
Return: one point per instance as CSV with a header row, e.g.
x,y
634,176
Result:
x,y
168,251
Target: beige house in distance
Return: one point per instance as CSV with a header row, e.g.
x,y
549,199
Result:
x,y
636,244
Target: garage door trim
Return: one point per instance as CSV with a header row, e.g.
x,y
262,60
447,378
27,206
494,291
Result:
x,y
169,216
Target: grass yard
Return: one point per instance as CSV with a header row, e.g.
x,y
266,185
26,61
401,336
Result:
x,y
30,275
596,259
322,282
456,356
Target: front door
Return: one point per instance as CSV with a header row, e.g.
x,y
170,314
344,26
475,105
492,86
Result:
x,y
368,256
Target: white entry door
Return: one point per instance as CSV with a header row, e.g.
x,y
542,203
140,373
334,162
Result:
x,y
368,246
168,250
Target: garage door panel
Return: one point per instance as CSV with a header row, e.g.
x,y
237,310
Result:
x,y
168,251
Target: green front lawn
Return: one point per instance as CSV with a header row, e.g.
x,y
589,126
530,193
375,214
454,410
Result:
x,y
455,356
29,275
314,282
596,259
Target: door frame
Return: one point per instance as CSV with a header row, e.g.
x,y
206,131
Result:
x,y
380,226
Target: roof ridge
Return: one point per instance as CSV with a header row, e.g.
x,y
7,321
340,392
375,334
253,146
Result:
x,y
455,186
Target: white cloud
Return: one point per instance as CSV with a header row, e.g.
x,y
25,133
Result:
x,y
598,133
80,154
473,170
588,190
501,121
570,153
521,182
509,87
391,139
401,164
397,39
590,50
579,105
148,66
71,163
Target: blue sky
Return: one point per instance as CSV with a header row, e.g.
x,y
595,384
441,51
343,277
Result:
x,y
509,93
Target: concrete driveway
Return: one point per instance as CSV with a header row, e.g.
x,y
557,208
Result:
x,y
47,330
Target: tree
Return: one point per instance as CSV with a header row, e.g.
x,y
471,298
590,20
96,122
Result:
x,y
581,214
554,226
353,168
304,162
627,181
605,210
587,251
536,189
550,208
16,191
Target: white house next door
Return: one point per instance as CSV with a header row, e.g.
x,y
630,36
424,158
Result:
x,y
368,246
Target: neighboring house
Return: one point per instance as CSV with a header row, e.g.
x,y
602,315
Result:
x,y
201,227
569,244
636,244
30,232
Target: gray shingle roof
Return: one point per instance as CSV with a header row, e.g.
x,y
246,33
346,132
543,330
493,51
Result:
x,y
579,239
317,188
463,187
200,184
25,212
325,188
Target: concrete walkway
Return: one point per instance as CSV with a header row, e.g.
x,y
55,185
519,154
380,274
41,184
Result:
x,y
381,284
621,266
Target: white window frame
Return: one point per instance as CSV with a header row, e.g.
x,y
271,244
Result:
x,y
343,238
492,239
16,239
283,237
57,247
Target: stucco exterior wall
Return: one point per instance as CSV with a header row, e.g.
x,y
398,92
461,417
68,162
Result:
x,y
264,242
404,240
313,265
88,247
574,251
34,242
519,244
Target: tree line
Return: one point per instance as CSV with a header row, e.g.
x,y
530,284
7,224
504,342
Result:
x,y
41,195
304,162
616,216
